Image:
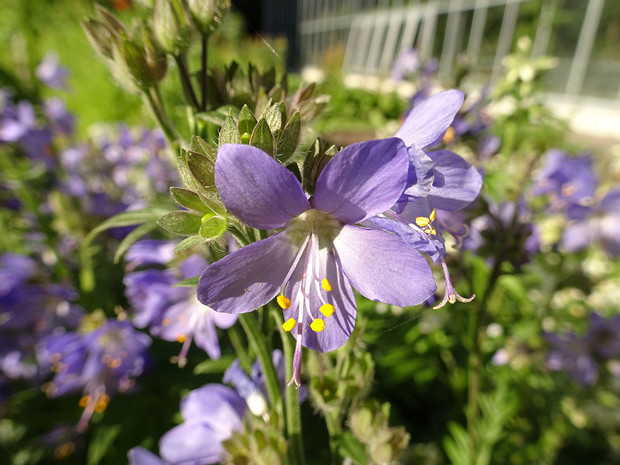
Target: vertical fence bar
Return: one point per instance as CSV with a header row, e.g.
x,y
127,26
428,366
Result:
x,y
477,30
452,34
578,68
509,21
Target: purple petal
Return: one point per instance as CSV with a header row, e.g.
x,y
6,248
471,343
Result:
x,y
456,183
216,405
191,443
363,180
611,202
140,456
249,278
257,189
428,121
338,326
382,267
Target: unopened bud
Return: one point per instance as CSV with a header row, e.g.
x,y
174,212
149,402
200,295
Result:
x,y
208,14
100,37
170,26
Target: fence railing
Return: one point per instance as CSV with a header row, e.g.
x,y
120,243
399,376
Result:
x,y
370,34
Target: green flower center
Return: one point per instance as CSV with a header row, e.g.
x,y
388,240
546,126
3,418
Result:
x,y
313,221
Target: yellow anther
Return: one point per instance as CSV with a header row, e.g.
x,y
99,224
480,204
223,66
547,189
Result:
x,y
181,338
317,325
102,403
327,309
289,324
283,302
422,221
325,284
433,215
449,135
84,400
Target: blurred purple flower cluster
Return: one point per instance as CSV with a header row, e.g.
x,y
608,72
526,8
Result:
x,y
571,185
583,356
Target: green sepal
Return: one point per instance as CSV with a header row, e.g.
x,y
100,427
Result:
x,y
213,228
200,146
317,157
262,138
247,121
188,243
290,137
188,199
214,366
180,222
229,134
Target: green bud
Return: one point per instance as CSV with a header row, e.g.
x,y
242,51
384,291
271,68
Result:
x,y
134,58
171,27
99,36
208,14
262,137
155,57
108,18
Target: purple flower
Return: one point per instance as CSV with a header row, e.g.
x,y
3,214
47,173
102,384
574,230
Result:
x,y
406,63
141,456
436,180
51,73
210,416
173,313
98,363
312,263
569,181
599,223
582,356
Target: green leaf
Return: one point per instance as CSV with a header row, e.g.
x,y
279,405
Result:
x,y
262,138
290,137
213,228
214,366
229,134
198,145
102,439
188,243
246,121
202,170
180,222
189,199
129,218
132,237
189,282
349,446
273,116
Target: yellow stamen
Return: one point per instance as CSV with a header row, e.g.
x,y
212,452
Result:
x,y
327,309
433,215
317,325
283,302
422,221
181,338
449,135
325,284
289,324
102,403
84,400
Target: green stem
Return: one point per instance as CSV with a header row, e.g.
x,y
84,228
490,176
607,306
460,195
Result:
x,y
153,100
293,412
203,75
238,345
186,81
259,344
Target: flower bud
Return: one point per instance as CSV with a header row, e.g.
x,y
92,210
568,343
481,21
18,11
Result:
x,y
208,14
100,37
171,27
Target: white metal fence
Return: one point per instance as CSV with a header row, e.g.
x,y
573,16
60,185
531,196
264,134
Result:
x,y
369,34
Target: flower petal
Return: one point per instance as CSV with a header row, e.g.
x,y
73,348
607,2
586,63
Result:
x,y
257,189
248,278
456,183
428,121
338,326
382,267
191,443
216,405
141,456
363,180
